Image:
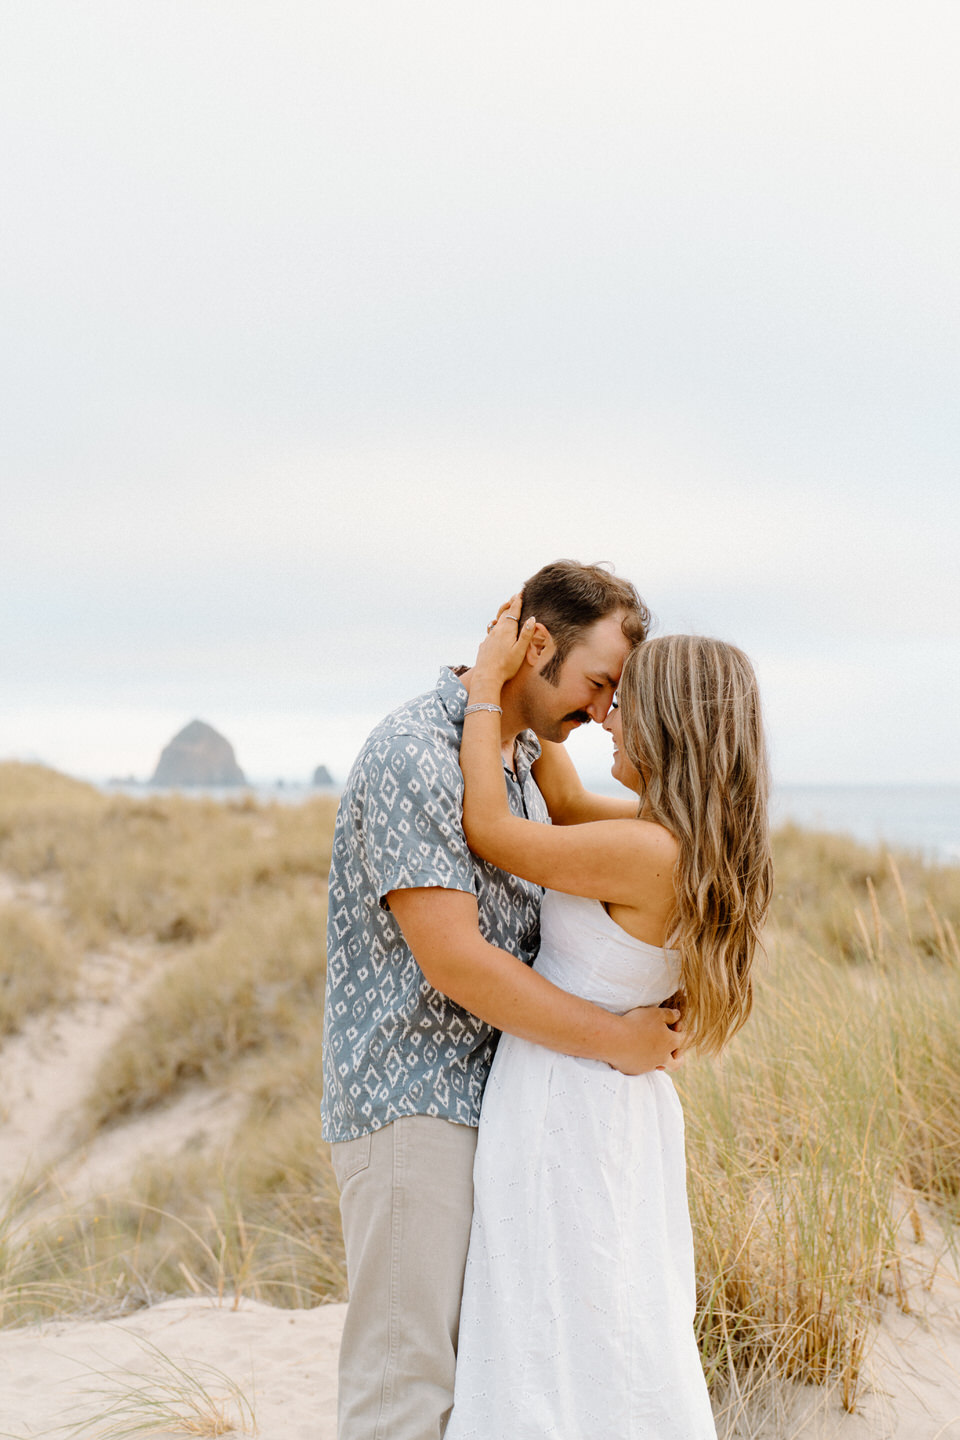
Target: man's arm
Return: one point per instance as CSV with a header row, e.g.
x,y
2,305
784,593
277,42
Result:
x,y
442,930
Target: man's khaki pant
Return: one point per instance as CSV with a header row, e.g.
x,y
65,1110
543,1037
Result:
x,y
406,1200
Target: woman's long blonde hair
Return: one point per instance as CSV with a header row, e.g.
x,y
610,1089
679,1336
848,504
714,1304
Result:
x,y
692,725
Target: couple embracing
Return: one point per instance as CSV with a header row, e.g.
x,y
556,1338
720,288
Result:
x,y
531,1266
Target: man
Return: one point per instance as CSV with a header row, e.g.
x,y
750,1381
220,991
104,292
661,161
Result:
x,y
429,951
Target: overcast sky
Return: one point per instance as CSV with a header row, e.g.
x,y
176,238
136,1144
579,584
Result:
x,y
326,324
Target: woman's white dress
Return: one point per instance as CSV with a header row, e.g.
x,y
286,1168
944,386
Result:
x,y
578,1302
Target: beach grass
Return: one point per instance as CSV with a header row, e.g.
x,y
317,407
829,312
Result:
x,y
38,965
833,1116
832,1113
256,986
174,1399
165,868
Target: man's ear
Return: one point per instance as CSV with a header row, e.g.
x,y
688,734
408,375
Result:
x,y
540,645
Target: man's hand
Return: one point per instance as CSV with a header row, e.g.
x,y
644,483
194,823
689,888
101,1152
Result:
x,y
442,928
648,1041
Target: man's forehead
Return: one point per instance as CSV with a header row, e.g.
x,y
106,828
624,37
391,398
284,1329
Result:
x,y
603,648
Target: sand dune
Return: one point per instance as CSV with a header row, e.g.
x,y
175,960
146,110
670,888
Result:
x,y
284,1362
46,1070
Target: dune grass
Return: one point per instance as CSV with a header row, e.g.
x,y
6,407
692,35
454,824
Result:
x,y
845,901
167,867
256,985
831,1115
177,1398
260,1220
838,1102
38,965
792,1157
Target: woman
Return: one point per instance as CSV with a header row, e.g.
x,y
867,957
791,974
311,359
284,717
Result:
x,y
579,1298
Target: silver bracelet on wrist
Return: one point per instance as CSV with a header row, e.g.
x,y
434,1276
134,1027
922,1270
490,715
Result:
x,y
482,706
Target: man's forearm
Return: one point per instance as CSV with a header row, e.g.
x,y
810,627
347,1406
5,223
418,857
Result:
x,y
440,927
510,996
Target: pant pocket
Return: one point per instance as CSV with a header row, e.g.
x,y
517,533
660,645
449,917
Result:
x,y
349,1157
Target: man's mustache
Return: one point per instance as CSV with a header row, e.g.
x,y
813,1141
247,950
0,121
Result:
x,y
580,715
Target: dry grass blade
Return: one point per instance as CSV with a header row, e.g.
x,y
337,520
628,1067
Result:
x,y
226,1000
200,1401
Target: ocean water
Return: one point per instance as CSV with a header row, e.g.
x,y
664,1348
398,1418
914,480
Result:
x,y
922,818
286,792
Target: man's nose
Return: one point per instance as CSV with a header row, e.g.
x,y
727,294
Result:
x,y
599,707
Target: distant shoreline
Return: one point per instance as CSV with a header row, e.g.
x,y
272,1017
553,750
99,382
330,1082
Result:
x,y
920,818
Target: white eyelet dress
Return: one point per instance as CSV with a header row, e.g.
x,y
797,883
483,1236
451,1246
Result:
x,y
578,1305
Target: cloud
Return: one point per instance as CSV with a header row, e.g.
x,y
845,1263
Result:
x,y
325,328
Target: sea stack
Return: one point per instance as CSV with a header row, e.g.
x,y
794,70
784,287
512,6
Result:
x,y
198,755
322,776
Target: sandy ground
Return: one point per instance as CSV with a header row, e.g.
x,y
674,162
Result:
x,y
64,1376
283,1361
60,1376
911,1388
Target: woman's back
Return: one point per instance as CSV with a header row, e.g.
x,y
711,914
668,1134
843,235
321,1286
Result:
x,y
587,953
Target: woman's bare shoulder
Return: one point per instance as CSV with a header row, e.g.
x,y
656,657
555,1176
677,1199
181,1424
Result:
x,y
655,841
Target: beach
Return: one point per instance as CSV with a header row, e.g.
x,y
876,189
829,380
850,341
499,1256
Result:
x,y
282,1363
169,1222
65,1376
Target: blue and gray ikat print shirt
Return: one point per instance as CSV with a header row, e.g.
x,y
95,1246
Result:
x,y
392,1045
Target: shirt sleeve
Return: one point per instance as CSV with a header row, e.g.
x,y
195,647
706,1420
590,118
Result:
x,y
412,818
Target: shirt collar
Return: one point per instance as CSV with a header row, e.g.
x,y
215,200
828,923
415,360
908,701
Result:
x,y
453,694
454,697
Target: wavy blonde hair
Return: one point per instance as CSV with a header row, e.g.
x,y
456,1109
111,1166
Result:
x,y
692,725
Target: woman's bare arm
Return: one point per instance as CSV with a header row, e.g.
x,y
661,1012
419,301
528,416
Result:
x,y
612,860
568,800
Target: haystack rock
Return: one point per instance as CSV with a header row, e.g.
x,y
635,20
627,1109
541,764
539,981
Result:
x,y
199,755
322,776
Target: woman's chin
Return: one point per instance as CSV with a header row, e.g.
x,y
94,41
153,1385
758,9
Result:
x,y
628,781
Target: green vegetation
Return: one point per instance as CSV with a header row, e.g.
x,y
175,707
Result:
x,y
834,1114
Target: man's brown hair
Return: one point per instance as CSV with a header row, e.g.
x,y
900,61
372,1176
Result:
x,y
568,598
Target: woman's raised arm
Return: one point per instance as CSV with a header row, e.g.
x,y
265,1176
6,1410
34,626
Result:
x,y
611,860
568,799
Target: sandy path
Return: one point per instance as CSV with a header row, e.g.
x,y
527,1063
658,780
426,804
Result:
x,y
47,1069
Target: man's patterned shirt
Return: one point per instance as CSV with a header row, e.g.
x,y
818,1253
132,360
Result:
x,y
392,1045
